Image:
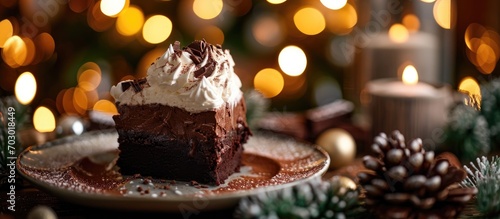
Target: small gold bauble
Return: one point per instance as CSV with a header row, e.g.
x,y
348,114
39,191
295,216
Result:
x,y
42,212
345,183
340,146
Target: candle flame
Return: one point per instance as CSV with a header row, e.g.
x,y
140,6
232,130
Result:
x,y
410,75
398,33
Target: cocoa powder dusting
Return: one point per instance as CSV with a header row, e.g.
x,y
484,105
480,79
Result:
x,y
90,177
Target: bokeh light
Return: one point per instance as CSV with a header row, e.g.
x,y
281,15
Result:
x,y
207,9
89,79
474,30
45,47
44,120
309,21
483,47
411,22
157,29
442,13
14,52
398,33
6,31
268,31
80,101
25,88
130,21
99,21
275,2
334,4
342,21
428,1
112,8
105,106
211,34
147,60
30,51
78,6
92,98
470,86
292,60
269,82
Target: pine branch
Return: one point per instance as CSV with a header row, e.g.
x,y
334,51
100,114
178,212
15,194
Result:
x,y
20,118
486,178
315,199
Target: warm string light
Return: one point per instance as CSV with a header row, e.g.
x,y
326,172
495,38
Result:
x,y
207,9
442,13
25,88
343,20
269,82
292,60
112,8
334,4
130,21
469,86
6,31
411,22
398,33
44,120
157,29
275,2
309,21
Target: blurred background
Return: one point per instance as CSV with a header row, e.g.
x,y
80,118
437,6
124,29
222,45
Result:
x,y
61,57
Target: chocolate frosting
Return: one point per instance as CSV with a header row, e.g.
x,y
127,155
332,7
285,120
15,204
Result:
x,y
198,51
138,85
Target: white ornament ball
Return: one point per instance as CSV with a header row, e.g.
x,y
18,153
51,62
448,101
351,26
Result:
x,y
340,145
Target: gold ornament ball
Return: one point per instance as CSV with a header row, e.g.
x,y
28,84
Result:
x,y
344,182
340,146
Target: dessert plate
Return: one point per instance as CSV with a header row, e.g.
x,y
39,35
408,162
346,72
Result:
x,y
81,169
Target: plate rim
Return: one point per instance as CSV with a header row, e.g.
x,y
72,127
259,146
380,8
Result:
x,y
221,200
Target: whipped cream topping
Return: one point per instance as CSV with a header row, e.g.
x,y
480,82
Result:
x,y
200,77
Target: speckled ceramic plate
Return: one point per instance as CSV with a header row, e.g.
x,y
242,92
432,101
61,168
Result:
x,y
81,169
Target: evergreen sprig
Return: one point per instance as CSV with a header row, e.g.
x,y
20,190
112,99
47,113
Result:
x,y
20,118
486,178
473,129
315,199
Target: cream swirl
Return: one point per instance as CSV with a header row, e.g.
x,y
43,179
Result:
x,y
199,77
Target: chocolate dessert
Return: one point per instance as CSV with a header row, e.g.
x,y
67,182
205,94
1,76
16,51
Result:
x,y
185,120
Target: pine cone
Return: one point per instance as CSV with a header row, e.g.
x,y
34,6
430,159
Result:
x,y
408,182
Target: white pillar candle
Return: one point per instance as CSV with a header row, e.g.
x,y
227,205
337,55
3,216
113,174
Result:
x,y
417,110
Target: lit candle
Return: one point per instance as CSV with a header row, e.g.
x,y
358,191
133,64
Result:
x,y
381,54
417,109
